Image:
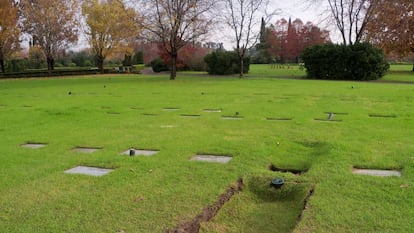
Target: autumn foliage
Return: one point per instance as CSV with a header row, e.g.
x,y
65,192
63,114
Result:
x,y
392,27
9,32
286,40
190,57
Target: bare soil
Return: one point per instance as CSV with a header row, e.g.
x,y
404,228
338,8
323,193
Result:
x,y
208,213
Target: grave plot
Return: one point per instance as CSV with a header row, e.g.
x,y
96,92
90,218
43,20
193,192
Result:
x,y
258,198
212,110
87,150
212,158
137,152
170,109
330,118
337,113
34,145
113,113
236,117
274,168
376,172
91,171
382,115
149,114
190,115
168,126
210,211
279,118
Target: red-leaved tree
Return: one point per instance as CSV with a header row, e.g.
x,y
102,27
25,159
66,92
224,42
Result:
x,y
286,40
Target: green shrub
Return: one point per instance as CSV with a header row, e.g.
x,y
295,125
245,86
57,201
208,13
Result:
x,y
360,61
158,65
225,63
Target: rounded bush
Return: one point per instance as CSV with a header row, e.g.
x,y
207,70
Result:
x,y
225,63
360,61
158,65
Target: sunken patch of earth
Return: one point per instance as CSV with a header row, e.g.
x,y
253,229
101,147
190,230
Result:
x,y
262,208
272,167
208,213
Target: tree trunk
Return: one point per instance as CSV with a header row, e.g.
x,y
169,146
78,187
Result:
x,y
100,63
241,63
3,70
174,56
50,65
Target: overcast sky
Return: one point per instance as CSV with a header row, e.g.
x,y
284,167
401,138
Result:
x,y
298,9
288,8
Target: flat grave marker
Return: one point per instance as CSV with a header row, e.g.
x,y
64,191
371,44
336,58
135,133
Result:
x,y
136,152
168,126
376,172
382,115
171,109
212,158
279,118
91,171
87,150
211,110
231,117
113,113
190,115
34,145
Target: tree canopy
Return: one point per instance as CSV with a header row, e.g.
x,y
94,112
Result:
x,y
52,25
285,40
111,27
392,27
9,32
243,17
174,23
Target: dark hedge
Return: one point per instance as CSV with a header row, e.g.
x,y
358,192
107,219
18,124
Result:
x,y
225,63
360,61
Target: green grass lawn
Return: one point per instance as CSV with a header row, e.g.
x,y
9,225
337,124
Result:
x,y
153,194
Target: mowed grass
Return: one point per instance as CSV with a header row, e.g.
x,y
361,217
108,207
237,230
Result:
x,y
152,194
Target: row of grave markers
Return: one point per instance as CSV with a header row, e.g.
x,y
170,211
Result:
x,y
96,171
236,116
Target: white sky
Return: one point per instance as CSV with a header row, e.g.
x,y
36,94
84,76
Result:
x,y
289,8
298,9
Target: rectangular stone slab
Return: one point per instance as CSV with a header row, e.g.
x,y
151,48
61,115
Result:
x,y
86,149
212,110
212,158
141,152
375,172
91,171
34,145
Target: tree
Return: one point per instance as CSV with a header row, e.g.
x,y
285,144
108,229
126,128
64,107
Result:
x,y
110,27
242,16
174,23
286,40
392,27
351,17
9,32
190,57
52,25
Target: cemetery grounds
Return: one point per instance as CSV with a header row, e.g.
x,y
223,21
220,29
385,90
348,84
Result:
x,y
271,124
